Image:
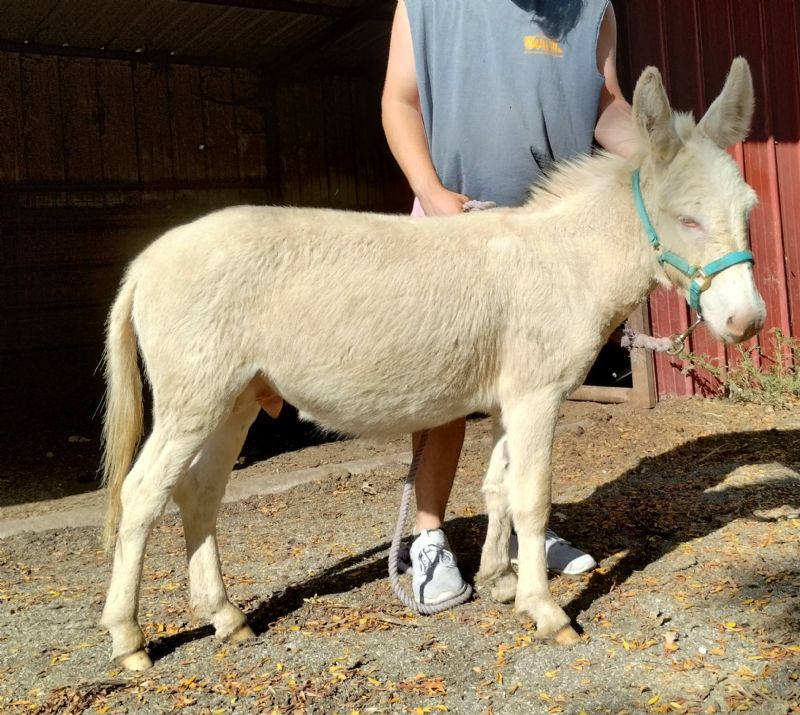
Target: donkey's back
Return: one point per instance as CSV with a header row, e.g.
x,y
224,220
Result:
x,y
354,318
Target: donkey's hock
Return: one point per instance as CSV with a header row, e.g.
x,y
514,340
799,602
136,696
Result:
x,y
380,325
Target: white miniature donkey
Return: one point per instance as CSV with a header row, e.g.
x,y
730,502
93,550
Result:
x,y
381,325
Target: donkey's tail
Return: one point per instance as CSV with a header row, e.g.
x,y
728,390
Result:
x,y
122,419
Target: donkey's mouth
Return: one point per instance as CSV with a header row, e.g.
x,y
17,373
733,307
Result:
x,y
740,337
740,326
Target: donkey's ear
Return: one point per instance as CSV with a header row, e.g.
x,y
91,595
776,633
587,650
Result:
x,y
653,115
727,120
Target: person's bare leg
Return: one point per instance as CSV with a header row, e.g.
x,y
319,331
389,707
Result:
x,y
436,472
435,574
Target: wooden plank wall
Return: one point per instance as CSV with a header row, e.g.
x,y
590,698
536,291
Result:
x,y
98,157
100,133
332,148
693,43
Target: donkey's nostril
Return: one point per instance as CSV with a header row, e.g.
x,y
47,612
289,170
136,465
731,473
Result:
x,y
745,324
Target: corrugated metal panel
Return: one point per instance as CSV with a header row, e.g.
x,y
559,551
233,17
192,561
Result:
x,y
693,42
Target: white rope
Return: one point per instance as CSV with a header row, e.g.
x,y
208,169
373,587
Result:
x,y
475,205
632,339
673,345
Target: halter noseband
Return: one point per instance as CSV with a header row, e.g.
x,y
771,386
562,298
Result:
x,y
701,275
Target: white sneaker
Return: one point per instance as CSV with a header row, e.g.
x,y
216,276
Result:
x,y
435,574
562,557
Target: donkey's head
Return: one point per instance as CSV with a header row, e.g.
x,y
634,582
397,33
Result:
x,y
697,202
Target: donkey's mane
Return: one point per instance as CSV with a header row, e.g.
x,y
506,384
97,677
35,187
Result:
x,y
684,124
574,177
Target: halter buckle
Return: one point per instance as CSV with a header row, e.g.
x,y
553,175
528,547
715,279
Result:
x,y
703,281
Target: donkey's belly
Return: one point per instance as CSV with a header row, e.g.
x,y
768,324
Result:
x,y
379,408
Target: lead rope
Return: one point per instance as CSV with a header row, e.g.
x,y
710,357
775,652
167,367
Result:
x,y
673,345
394,550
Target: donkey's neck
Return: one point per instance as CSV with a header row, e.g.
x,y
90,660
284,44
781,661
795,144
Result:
x,y
588,208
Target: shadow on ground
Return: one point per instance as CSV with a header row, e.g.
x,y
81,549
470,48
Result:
x,y
649,511
42,464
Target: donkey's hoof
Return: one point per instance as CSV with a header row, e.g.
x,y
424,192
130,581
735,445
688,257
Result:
x,y
504,589
244,633
139,660
566,636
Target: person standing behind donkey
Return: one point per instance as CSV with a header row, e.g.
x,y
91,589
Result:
x,y
480,99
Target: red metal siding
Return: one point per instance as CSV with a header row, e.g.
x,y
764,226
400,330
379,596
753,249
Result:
x,y
693,43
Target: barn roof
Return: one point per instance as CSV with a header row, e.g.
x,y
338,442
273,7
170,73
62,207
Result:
x,y
278,34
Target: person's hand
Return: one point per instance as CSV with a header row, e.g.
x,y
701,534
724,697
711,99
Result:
x,y
442,202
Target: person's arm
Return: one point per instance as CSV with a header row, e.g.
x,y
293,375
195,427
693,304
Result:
x,y
402,123
614,130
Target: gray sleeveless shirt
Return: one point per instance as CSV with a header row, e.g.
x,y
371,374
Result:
x,y
503,93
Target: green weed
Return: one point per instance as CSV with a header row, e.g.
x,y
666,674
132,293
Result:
x,y
768,375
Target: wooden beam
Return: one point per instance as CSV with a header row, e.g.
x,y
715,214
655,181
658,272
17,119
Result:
x,y
26,187
643,394
377,11
596,393
155,57
300,59
642,364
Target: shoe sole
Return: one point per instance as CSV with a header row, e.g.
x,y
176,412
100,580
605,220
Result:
x,y
565,572
442,597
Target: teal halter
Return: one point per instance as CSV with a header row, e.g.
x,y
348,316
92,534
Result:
x,y
701,275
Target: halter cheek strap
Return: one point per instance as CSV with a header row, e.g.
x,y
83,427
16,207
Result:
x,y
701,275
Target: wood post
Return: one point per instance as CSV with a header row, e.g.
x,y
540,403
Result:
x,y
643,393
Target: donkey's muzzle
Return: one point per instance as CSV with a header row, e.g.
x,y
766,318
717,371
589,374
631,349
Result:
x,y
745,323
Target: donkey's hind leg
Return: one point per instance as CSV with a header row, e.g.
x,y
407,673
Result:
x,y
199,495
495,568
164,458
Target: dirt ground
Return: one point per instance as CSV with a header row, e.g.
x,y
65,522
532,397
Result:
x,y
692,510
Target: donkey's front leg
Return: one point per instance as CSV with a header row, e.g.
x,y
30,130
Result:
x,y
530,425
495,570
